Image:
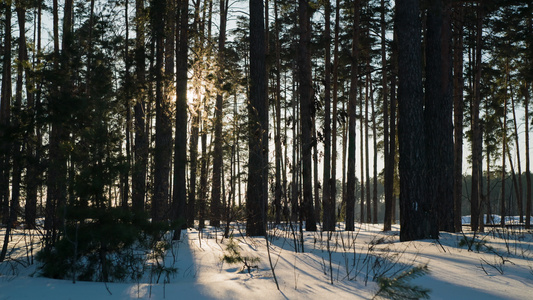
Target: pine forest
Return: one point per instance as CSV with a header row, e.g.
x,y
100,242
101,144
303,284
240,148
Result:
x,y
124,123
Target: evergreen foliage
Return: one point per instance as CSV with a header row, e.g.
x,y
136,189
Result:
x,y
101,245
399,287
233,256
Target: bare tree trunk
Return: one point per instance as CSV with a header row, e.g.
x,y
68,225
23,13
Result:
x,y
179,198
504,148
33,142
528,171
476,128
5,116
367,148
307,110
458,107
218,153
415,209
520,191
333,184
375,167
5,150
328,202
352,99
257,190
163,130
362,155
277,109
388,183
140,147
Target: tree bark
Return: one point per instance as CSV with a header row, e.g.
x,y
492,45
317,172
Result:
x,y
334,122
352,98
477,146
417,221
307,111
438,116
528,170
327,201
163,128
458,107
257,190
217,155
520,192
179,197
140,147
5,116
388,180
277,109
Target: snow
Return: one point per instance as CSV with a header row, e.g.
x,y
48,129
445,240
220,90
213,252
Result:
x,y
500,268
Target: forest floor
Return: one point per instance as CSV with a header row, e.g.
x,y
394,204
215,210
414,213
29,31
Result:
x,y
498,265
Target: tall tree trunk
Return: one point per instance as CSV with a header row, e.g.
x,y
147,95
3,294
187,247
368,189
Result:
x,y
333,180
140,147
362,155
307,110
163,128
352,99
32,142
504,147
520,192
393,132
328,202
257,190
388,183
438,116
458,107
217,155
367,148
179,198
375,166
127,96
528,171
477,146
526,113
5,116
8,209
277,109
415,210
503,174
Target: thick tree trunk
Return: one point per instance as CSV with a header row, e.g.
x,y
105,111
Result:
x,y
163,128
5,115
458,107
32,141
351,180
477,146
388,181
277,109
438,116
179,197
307,111
333,181
328,202
218,153
140,147
257,190
417,220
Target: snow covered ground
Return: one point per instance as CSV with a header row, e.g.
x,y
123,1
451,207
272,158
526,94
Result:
x,y
499,266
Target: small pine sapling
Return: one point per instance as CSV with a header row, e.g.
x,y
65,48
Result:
x,y
399,287
233,256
